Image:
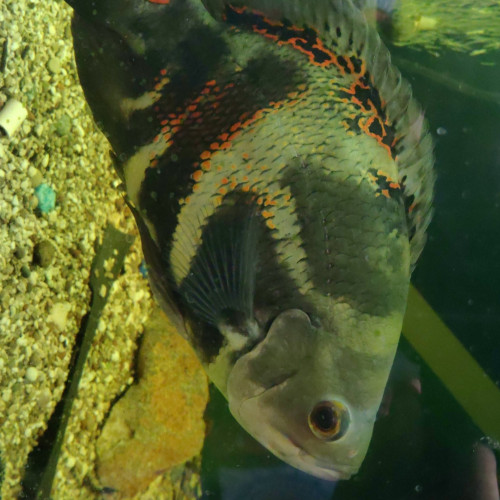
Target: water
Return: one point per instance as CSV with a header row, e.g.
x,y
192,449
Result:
x,y
438,430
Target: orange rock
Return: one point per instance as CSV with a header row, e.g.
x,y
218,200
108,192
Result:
x,y
158,423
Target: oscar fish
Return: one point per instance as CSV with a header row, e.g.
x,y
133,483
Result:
x,y
281,176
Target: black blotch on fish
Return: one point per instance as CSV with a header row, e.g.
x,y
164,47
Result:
x,y
99,50
172,175
375,294
196,59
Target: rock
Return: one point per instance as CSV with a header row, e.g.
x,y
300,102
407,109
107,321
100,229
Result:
x,y
44,253
158,423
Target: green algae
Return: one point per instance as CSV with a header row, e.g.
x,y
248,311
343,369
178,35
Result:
x,y
460,25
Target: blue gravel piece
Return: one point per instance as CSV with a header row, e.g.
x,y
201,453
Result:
x,y
46,198
143,268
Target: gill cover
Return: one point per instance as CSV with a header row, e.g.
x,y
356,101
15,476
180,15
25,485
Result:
x,y
275,390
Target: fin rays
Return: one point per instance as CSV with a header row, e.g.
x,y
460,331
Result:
x,y
221,277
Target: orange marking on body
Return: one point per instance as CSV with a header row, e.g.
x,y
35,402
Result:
x,y
205,155
225,180
164,122
206,165
161,2
196,114
224,136
163,71
214,145
211,83
246,188
197,175
350,65
196,187
192,107
235,126
233,184
245,156
364,125
270,224
267,214
394,185
385,192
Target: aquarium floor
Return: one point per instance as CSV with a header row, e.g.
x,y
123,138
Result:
x,y
45,259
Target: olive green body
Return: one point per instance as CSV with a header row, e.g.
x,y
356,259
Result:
x,y
281,177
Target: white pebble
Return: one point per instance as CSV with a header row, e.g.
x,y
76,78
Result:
x,y
31,374
58,315
12,116
7,394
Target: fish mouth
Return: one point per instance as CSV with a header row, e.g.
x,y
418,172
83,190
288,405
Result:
x,y
306,462
284,446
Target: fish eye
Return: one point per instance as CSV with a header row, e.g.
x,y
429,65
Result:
x,y
329,420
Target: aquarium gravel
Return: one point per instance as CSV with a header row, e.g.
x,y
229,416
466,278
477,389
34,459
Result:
x,y
46,255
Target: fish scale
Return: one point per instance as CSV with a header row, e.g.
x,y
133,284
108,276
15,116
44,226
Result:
x,y
281,177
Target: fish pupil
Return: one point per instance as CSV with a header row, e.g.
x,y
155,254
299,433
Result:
x,y
325,418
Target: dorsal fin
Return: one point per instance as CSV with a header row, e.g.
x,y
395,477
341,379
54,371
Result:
x,y
344,30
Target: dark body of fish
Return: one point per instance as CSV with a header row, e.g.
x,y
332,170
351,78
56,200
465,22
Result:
x,y
281,176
